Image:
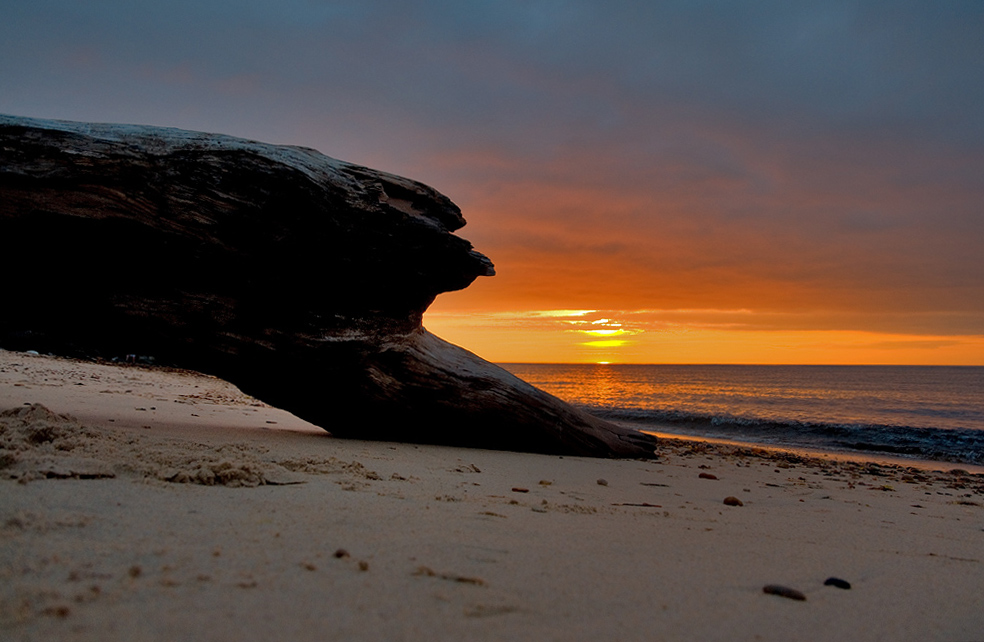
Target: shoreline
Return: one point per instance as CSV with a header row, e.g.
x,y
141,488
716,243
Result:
x,y
882,413
820,455
282,420
169,505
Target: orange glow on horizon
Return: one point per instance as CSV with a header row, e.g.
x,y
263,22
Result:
x,y
796,258
649,337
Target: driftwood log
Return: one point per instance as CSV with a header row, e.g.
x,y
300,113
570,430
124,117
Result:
x,y
299,278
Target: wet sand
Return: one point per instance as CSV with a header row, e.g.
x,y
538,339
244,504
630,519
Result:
x,y
146,504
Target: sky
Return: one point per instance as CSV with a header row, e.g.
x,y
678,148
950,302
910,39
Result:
x,y
702,181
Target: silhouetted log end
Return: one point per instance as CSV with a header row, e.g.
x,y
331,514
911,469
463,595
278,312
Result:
x,y
298,277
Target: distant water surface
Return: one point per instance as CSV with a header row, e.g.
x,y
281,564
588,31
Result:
x,y
934,413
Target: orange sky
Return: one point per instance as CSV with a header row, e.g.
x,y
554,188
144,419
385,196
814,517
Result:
x,y
683,336
768,182
841,263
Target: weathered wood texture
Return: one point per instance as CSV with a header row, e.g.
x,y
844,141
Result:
x,y
300,278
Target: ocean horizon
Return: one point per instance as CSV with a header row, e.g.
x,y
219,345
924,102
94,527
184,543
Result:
x,y
927,413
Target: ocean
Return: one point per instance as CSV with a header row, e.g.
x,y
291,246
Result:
x,y
925,413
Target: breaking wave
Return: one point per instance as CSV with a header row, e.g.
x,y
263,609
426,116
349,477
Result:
x,y
953,445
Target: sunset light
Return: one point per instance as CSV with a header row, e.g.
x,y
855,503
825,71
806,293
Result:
x,y
683,182
517,320
689,336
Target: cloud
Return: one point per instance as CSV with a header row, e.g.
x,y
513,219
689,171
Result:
x,y
822,163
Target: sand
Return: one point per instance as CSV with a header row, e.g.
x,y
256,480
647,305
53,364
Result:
x,y
146,504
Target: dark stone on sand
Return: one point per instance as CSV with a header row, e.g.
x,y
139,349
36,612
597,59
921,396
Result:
x,y
707,476
838,583
297,277
784,591
733,501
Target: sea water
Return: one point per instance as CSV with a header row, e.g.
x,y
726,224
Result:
x,y
928,413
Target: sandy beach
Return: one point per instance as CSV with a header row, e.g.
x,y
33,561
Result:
x,y
142,503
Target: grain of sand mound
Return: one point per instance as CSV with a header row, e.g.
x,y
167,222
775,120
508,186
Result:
x,y
36,443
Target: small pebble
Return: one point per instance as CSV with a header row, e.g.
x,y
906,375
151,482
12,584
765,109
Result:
x,y
340,553
364,565
520,490
707,476
733,501
602,482
839,583
57,611
784,591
